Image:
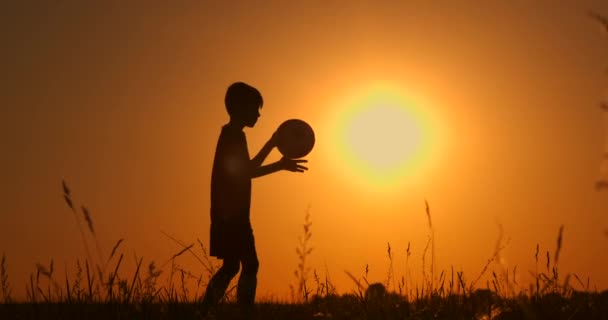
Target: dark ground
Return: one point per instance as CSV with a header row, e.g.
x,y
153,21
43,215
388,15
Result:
x,y
551,306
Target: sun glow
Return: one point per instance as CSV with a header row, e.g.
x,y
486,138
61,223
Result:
x,y
383,137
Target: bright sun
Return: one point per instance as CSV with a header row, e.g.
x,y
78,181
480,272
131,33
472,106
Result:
x,y
382,137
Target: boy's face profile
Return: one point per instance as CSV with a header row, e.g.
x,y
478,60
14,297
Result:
x,y
250,115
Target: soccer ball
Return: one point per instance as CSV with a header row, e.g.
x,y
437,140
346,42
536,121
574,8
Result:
x,y
295,138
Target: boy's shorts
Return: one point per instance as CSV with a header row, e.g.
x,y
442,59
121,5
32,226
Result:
x,y
231,240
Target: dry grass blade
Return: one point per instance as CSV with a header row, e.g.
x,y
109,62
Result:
x,y
390,276
99,273
67,286
89,280
89,221
87,218
68,200
432,244
407,276
6,290
66,190
46,299
357,282
183,250
31,289
461,281
134,279
426,248
208,265
428,213
115,248
184,246
66,194
579,281
566,286
498,248
559,244
43,270
113,276
303,250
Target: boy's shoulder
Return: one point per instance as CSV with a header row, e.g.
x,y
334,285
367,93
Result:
x,y
230,132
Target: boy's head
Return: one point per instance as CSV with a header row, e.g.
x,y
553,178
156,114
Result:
x,y
243,103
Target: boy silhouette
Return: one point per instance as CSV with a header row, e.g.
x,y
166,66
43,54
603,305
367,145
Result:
x,y
231,236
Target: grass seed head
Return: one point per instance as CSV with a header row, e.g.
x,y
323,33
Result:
x,y
87,218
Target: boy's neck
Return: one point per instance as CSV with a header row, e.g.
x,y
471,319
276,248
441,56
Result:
x,y
235,125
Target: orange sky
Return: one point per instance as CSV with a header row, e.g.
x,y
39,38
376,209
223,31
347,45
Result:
x,y
125,102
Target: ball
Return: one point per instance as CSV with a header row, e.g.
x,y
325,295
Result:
x,y
295,138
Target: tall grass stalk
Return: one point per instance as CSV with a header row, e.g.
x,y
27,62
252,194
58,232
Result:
x,y
558,247
432,239
360,289
209,266
89,281
135,276
425,280
536,276
67,285
113,276
407,274
4,284
68,199
390,275
329,286
114,249
89,220
303,250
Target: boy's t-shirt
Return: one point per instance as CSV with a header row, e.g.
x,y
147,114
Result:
x,y
230,192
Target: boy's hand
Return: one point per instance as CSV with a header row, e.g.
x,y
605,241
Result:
x,y
292,165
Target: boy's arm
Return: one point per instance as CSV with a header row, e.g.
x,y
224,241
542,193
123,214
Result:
x,y
257,161
267,169
292,165
258,170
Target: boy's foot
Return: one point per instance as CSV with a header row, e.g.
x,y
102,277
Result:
x,y
205,311
247,312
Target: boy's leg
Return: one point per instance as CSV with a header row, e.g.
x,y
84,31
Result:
x,y
219,282
245,291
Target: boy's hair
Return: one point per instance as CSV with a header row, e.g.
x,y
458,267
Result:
x,y
240,95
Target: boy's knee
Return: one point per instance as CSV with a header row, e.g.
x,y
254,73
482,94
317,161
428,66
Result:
x,y
230,268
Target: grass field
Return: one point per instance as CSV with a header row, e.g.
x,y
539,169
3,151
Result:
x,y
101,291
479,305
